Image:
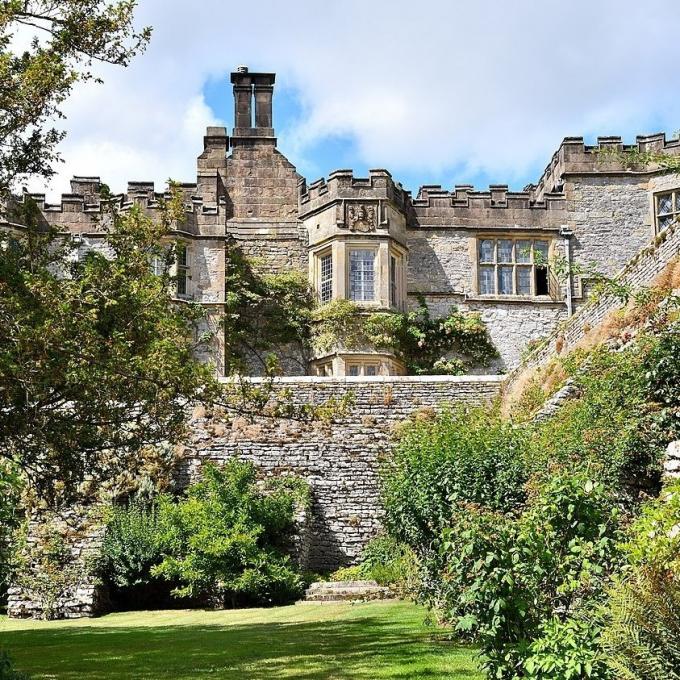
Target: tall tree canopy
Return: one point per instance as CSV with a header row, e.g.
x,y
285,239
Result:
x,y
66,37
96,361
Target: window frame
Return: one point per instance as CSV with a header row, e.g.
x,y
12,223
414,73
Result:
x,y
182,269
321,280
497,266
373,249
673,215
361,366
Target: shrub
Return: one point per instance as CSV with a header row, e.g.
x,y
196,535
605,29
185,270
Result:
x,y
10,488
465,455
567,650
132,547
227,539
503,578
353,573
609,425
391,563
642,636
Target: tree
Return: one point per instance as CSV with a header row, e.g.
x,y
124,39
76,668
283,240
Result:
x,y
68,37
96,362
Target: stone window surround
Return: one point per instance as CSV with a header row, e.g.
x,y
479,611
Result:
x,y
183,265
385,249
338,365
674,214
474,246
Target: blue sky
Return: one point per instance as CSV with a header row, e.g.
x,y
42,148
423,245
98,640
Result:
x,y
437,92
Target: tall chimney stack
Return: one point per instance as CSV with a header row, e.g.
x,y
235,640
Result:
x,y
248,87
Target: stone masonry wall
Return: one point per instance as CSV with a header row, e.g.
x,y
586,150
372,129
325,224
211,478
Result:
x,y
65,586
340,459
611,219
640,272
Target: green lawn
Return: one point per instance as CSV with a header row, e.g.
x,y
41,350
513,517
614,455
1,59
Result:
x,y
310,641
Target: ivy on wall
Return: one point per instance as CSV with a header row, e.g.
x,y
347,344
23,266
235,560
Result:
x,y
270,317
449,345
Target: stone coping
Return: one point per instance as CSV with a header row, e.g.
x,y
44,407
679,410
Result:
x,y
400,379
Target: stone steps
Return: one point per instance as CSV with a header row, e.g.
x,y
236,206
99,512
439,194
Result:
x,y
346,591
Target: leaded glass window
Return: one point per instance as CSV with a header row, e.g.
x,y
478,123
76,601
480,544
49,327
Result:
x,y
326,277
513,266
362,275
667,209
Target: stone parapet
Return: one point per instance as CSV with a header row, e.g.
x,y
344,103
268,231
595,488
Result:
x,y
342,185
574,156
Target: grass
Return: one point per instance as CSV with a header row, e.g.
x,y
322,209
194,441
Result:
x,y
307,641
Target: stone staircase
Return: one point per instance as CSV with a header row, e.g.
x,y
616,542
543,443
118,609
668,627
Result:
x,y
346,591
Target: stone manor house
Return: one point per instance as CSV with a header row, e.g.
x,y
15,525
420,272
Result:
x,y
369,240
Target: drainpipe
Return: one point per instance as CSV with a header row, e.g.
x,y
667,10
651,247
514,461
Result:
x,y
566,233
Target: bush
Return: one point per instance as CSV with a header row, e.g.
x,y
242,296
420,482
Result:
x,y
391,563
567,650
227,539
132,547
465,455
354,573
609,426
503,578
642,637
10,517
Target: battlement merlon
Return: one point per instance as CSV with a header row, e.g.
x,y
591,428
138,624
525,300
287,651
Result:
x,y
343,185
81,210
497,207
575,157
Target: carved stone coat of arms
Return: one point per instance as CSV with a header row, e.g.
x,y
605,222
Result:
x,y
361,218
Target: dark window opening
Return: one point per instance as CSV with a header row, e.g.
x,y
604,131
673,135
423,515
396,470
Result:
x,y
542,281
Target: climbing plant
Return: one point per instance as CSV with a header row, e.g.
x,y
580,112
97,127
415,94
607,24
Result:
x,y
267,316
449,345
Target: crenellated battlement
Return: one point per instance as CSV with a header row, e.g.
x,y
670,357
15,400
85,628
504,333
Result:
x,y
466,207
577,157
88,196
497,196
342,184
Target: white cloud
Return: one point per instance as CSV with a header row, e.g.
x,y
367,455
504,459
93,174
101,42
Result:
x,y
427,86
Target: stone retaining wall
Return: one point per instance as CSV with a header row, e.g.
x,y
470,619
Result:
x,y
339,459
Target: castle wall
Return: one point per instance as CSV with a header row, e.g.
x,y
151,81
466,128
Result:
x,y
611,218
340,459
640,272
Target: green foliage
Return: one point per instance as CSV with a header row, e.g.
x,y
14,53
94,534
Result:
x,y
227,539
7,671
611,425
387,562
132,544
464,455
423,343
96,362
642,636
504,578
265,313
69,36
391,563
567,650
10,518
353,573
47,567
